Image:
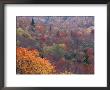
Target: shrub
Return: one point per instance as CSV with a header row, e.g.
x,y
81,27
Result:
x,y
57,51
18,43
69,55
24,33
29,62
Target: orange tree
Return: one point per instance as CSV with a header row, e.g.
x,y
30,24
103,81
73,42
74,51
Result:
x,y
29,62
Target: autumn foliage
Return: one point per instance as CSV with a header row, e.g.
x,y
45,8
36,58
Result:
x,y
29,62
55,45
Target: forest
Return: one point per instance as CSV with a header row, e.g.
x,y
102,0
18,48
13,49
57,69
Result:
x,y
55,45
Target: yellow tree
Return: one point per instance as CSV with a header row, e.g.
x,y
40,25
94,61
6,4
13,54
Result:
x,y
29,62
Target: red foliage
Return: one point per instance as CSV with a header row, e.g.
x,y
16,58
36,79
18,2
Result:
x,y
91,59
63,34
89,69
84,68
40,27
90,51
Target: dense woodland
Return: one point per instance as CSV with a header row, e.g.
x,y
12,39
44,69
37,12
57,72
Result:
x,y
55,44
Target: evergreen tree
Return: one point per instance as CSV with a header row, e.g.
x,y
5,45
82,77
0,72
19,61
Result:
x,y
33,22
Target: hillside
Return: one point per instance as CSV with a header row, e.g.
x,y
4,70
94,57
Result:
x,y
67,42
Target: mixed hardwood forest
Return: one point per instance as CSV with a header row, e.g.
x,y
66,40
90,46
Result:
x,y
55,45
